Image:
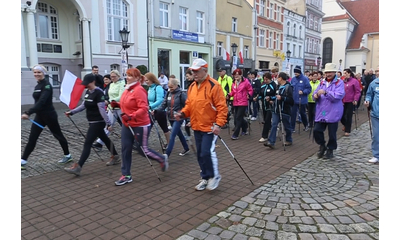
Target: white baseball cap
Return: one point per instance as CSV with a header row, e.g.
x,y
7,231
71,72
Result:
x,y
198,63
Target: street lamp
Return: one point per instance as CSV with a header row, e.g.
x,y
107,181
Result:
x,y
288,52
124,54
234,47
319,63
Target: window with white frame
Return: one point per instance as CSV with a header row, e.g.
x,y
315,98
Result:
x,y
270,39
294,30
234,24
310,43
262,8
114,67
312,46
200,22
271,10
183,18
278,41
117,19
219,49
54,74
262,38
310,21
300,32
275,13
246,52
315,23
164,15
288,28
46,21
294,51
306,45
300,53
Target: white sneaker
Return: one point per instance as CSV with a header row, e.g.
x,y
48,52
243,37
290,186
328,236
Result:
x,y
373,160
213,183
253,119
201,186
262,140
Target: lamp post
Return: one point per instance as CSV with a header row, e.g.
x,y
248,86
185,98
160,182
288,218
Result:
x,y
288,52
234,47
124,54
319,63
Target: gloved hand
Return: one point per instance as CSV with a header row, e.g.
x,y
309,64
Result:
x,y
126,117
114,104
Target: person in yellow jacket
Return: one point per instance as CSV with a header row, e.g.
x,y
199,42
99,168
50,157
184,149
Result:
x,y
226,84
311,103
207,109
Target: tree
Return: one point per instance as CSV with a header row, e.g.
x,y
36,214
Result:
x,y
142,69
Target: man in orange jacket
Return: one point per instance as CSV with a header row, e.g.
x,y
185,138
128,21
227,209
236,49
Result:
x,y
207,109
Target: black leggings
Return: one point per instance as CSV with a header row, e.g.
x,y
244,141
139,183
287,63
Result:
x,y
45,119
347,116
240,122
161,118
95,130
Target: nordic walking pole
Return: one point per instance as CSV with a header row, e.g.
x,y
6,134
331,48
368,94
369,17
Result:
x,y
37,124
234,158
85,138
369,121
158,133
355,118
299,113
134,136
189,138
282,130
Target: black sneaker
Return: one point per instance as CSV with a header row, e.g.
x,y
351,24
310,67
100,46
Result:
x,y
329,154
322,150
268,144
123,180
97,146
184,152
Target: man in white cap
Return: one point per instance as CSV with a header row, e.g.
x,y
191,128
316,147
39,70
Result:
x,y
329,110
207,109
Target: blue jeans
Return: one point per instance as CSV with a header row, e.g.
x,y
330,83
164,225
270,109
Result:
x,y
375,137
176,130
286,123
206,155
318,131
253,108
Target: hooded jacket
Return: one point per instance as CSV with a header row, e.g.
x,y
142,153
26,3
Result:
x,y
241,91
352,90
329,106
173,102
373,97
134,103
155,96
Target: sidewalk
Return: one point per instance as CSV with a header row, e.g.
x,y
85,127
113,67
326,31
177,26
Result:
x,y
295,196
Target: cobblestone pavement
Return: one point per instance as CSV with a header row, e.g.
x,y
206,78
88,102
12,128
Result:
x,y
316,199
294,196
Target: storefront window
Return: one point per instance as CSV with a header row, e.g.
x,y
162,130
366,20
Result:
x,y
163,61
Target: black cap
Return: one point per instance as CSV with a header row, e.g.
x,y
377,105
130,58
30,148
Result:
x,y
253,72
220,69
88,78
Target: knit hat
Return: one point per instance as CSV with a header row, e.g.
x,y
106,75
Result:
x,y
297,69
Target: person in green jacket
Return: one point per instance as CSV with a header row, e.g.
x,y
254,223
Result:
x,y
226,84
311,103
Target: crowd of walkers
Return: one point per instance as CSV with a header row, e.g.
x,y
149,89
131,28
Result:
x,y
318,100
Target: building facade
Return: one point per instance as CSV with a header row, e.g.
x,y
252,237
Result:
x,y
74,35
312,46
178,32
234,27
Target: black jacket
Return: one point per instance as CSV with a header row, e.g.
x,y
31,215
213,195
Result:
x,y
286,102
43,96
267,90
256,85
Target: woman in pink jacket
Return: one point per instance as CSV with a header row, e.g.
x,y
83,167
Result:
x,y
352,94
241,91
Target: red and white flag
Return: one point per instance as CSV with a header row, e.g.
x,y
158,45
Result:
x,y
71,90
225,55
241,56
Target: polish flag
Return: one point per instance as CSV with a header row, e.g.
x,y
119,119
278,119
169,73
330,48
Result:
x,y
71,90
225,55
241,56
316,61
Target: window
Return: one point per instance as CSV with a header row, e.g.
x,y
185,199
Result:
x,y
163,61
288,28
117,19
262,38
327,51
310,42
315,23
270,39
234,24
312,46
246,52
306,45
200,22
183,18
46,21
300,51
219,49
164,15
262,8
294,51
53,74
271,10
275,12
310,21
278,17
294,30
278,43
300,32
115,67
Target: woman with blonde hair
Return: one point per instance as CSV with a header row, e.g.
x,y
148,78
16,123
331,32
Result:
x,y
45,115
155,96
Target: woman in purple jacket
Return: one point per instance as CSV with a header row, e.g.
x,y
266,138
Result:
x,y
329,110
241,91
352,94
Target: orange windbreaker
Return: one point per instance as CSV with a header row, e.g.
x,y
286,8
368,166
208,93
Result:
x,y
134,103
206,105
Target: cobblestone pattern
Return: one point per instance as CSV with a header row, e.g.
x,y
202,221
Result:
x,y
318,199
